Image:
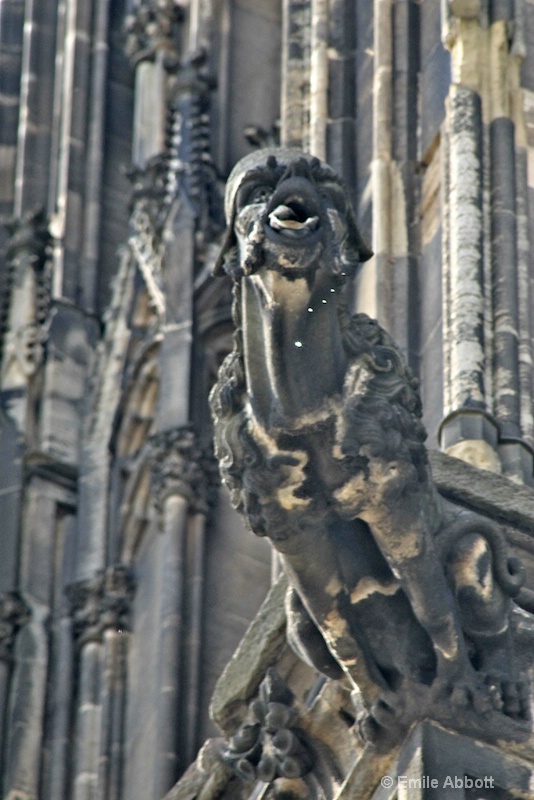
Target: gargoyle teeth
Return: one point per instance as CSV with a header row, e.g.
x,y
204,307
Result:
x,y
285,219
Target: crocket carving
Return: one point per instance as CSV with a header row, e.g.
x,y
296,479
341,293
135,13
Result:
x,y
320,442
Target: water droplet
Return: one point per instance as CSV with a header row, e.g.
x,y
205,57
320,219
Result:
x,y
298,344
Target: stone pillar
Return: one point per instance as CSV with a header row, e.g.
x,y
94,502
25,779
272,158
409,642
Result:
x,y
11,38
95,157
27,693
73,88
486,293
296,58
59,705
22,355
36,105
507,141
338,73
181,479
100,609
153,38
319,77
14,614
468,430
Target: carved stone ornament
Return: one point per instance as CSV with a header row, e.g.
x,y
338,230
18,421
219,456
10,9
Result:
x,y
27,256
13,614
320,442
272,746
180,467
101,603
154,25
149,190
192,173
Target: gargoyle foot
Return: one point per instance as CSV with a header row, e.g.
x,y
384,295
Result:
x,y
509,695
383,737
391,715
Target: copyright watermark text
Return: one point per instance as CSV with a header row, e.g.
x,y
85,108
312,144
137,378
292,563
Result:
x,y
427,782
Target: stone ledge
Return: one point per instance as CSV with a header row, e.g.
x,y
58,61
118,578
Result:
x,y
259,648
486,492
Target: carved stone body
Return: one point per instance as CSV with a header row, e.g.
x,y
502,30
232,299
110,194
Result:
x,y
321,445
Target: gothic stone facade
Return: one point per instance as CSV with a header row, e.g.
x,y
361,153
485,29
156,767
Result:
x,y
126,579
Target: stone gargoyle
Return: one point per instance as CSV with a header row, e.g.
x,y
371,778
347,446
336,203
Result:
x,y
320,442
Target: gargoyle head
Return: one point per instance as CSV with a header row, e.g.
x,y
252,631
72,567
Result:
x,y
285,209
291,243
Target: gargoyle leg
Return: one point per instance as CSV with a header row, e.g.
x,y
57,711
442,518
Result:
x,y
403,536
310,561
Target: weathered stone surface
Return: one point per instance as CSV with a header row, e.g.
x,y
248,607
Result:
x,y
497,496
258,649
289,249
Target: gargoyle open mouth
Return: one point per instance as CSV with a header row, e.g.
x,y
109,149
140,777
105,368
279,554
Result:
x,y
292,220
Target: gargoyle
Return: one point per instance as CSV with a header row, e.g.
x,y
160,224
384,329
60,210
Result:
x,y
320,442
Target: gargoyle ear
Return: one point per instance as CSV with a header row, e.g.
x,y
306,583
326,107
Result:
x,y
358,249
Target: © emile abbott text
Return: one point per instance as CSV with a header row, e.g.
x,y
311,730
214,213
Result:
x,y
426,782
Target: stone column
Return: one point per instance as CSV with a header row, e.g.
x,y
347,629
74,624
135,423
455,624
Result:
x,y
13,614
489,402
180,486
153,37
35,113
468,429
319,77
11,39
100,609
95,157
27,693
22,355
59,705
507,138
296,59
336,78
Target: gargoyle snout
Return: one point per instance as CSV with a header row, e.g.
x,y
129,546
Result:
x,y
295,209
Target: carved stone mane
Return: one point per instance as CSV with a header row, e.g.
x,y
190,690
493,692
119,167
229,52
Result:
x,y
320,442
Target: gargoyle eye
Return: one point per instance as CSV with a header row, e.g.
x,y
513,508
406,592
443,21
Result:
x,y
332,195
260,193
